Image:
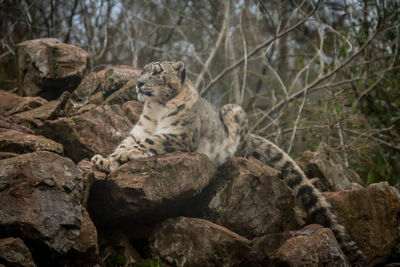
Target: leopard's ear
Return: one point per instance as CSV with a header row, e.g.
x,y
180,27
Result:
x,y
180,68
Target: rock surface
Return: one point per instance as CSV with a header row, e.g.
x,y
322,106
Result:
x,y
133,109
311,246
98,131
48,67
249,199
11,103
36,117
331,174
150,189
371,217
114,85
197,242
13,252
86,249
17,142
40,201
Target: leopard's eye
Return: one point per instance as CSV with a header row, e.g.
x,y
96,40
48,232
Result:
x,y
155,72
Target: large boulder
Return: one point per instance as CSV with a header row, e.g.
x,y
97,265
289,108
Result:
x,y
17,142
48,67
250,199
197,242
85,251
371,217
40,197
13,252
311,246
114,85
150,189
98,131
326,166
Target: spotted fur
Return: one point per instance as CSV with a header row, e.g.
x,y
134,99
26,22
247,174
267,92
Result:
x,y
175,118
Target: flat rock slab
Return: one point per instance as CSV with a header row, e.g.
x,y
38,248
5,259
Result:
x,y
13,252
197,242
19,143
40,201
371,217
150,189
250,199
36,117
97,131
311,246
11,103
47,67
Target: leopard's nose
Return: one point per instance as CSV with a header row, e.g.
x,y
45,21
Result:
x,y
139,84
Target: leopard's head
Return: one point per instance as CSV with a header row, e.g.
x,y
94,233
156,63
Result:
x,y
161,81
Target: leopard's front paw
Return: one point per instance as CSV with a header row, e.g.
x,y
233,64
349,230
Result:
x,y
105,164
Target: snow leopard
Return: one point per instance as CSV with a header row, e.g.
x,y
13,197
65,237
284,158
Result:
x,y
175,118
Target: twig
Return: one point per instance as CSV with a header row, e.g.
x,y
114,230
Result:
x,y
257,49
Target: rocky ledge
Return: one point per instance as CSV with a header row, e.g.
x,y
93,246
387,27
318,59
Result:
x,y
178,209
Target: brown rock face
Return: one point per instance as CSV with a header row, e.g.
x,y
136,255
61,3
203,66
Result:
x,y
11,103
48,67
150,189
249,198
197,242
133,109
40,202
37,116
17,142
117,77
311,246
331,174
371,217
98,131
86,249
115,85
90,174
13,252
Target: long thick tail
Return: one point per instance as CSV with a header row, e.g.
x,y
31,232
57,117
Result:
x,y
317,207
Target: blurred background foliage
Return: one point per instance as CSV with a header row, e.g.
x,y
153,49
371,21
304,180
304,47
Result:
x,y
305,71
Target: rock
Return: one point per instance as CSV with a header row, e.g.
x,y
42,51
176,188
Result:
x,y
85,251
36,117
321,164
133,109
82,94
197,242
310,246
250,199
119,251
48,67
12,103
17,142
126,93
13,252
150,189
116,77
90,173
7,155
371,217
9,123
40,203
116,84
98,131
